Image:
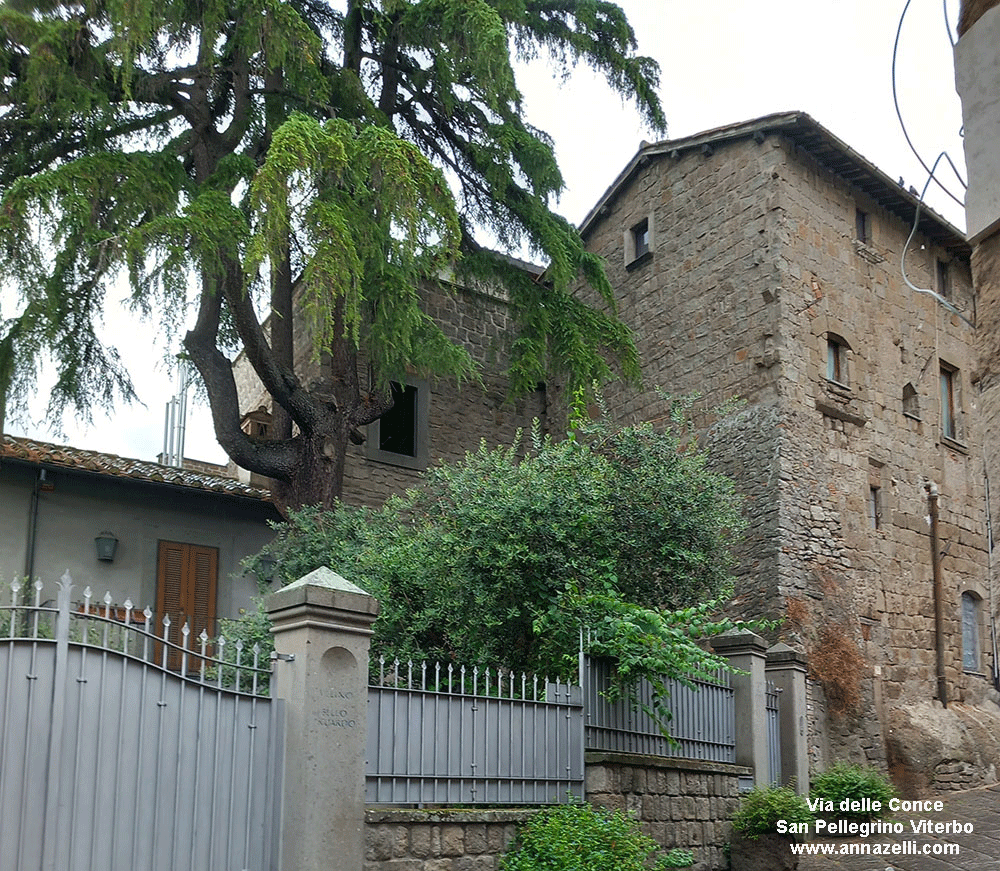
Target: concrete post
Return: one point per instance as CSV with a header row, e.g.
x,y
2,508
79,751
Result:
x,y
322,626
747,652
786,669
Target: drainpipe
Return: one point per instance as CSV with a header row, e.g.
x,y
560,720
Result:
x,y
29,555
932,511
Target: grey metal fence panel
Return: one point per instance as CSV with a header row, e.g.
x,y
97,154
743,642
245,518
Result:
x,y
702,722
469,741
772,702
110,761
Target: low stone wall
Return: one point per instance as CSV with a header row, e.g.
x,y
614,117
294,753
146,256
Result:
x,y
439,840
679,803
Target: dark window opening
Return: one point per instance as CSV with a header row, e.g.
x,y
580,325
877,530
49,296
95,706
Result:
x,y
862,226
875,507
640,238
836,361
398,426
948,425
911,401
943,279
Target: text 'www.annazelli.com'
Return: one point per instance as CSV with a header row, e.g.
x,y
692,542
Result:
x,y
864,848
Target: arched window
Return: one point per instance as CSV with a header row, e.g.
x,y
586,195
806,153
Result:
x,y
970,631
911,401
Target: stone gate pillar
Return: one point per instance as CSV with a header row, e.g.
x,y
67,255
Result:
x,y
786,669
746,651
322,626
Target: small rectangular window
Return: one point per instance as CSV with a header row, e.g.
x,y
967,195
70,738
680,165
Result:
x,y
970,632
836,362
640,238
862,226
949,427
875,507
943,279
398,426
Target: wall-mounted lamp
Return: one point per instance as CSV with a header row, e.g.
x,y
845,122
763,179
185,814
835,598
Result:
x,y
266,567
106,544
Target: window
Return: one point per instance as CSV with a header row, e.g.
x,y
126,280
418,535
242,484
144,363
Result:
x,y
943,279
862,226
186,581
911,401
639,243
949,427
640,236
836,360
398,430
875,507
970,631
400,437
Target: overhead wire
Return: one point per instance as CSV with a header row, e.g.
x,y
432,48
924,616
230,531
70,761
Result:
x,y
913,232
902,123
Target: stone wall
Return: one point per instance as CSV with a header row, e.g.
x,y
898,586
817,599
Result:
x,y
678,802
754,268
458,416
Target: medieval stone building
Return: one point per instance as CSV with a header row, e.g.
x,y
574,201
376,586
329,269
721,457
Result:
x,y
431,421
764,261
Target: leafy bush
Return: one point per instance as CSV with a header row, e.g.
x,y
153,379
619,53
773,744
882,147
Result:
x,y
760,810
578,837
499,559
854,783
676,858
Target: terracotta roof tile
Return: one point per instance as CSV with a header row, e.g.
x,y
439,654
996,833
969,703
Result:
x,y
33,451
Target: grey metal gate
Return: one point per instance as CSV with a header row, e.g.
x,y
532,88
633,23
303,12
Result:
x,y
109,760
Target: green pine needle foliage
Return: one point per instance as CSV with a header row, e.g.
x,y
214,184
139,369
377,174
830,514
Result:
x,y
195,149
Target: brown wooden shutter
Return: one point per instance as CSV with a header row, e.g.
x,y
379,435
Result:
x,y
186,583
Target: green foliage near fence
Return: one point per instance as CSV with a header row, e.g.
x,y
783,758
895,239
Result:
x,y
502,557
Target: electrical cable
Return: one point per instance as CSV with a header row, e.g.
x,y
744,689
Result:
x,y
902,261
902,123
947,23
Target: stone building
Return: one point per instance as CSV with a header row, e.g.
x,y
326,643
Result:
x,y
764,261
431,421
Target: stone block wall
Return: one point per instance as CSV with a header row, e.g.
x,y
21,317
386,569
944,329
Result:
x,y
678,802
459,416
754,266
439,840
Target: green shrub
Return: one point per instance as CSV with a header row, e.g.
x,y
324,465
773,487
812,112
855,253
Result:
x,y
676,858
854,783
578,837
761,809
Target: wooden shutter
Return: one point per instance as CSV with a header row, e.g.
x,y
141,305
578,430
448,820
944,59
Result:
x,y
186,584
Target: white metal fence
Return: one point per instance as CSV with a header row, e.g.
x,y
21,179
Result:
x,y
109,760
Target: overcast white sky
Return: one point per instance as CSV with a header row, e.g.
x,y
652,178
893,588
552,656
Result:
x,y
721,62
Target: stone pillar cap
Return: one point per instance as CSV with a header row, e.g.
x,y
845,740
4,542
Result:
x,y
737,640
782,654
321,591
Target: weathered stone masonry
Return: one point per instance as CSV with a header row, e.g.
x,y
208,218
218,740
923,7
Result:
x,y
756,275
